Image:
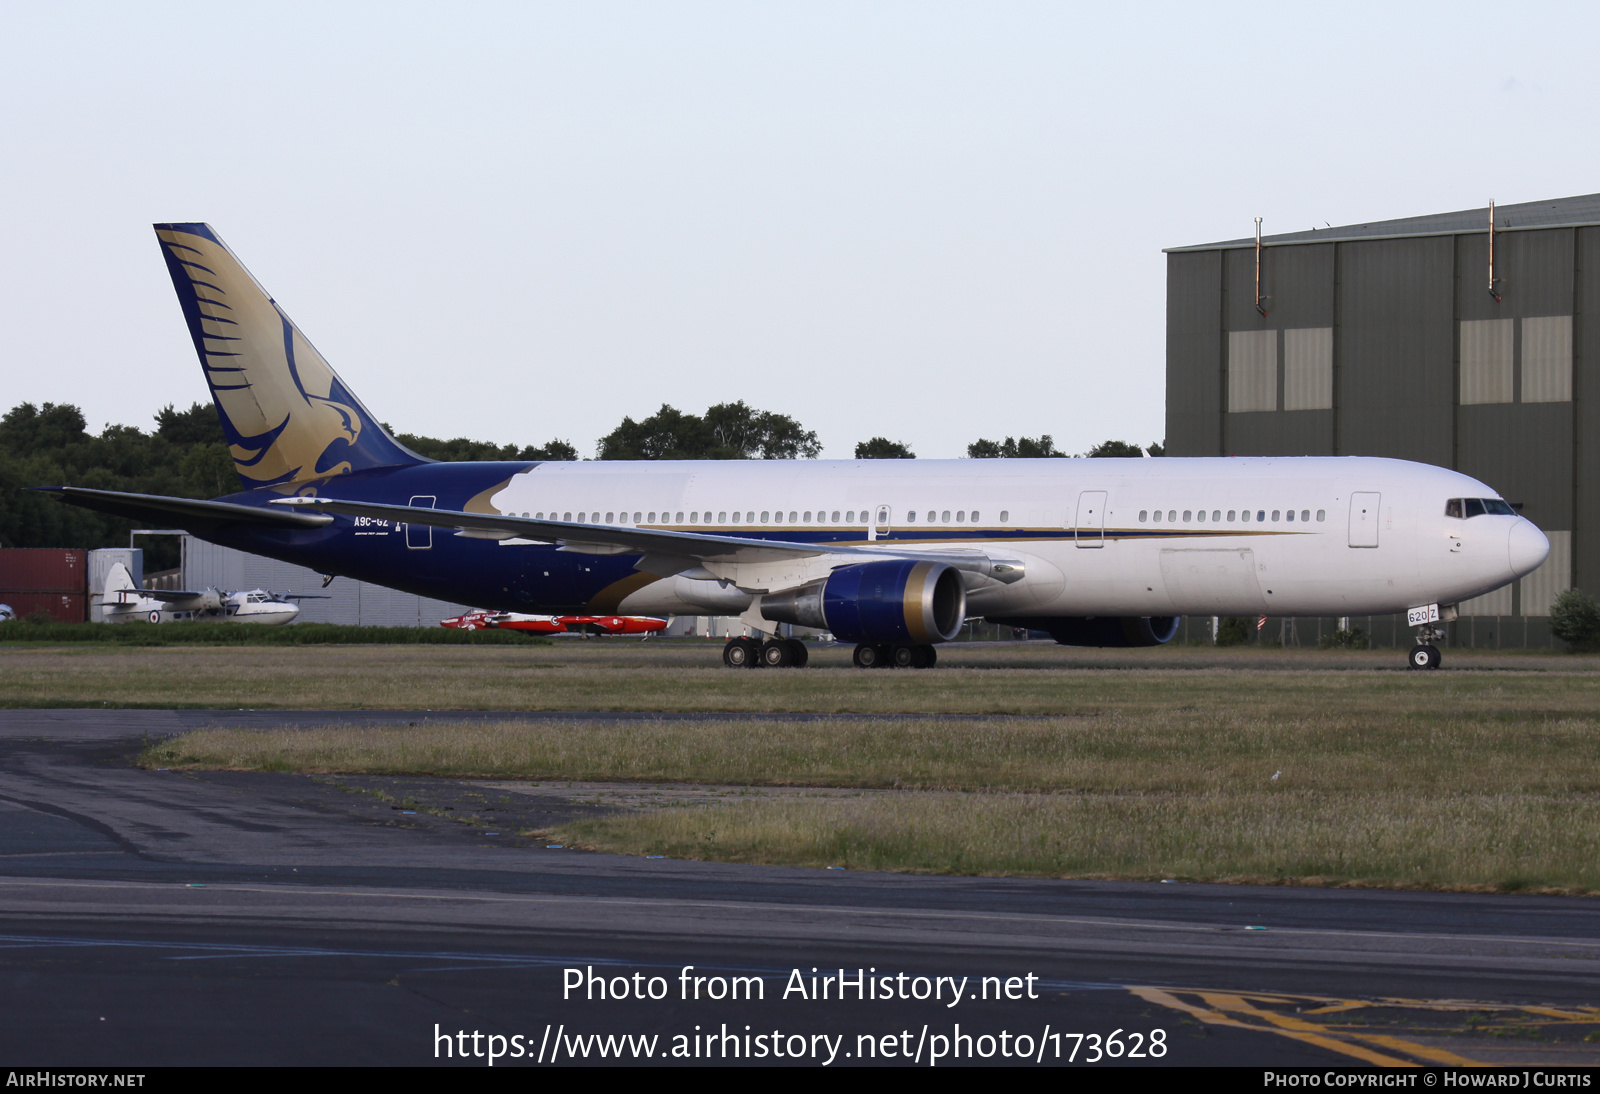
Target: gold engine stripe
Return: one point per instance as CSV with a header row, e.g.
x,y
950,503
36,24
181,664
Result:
x,y
916,618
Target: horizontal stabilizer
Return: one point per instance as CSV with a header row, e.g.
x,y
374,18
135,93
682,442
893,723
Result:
x,y
191,512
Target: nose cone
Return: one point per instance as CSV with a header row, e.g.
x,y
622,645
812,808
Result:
x,y
1527,547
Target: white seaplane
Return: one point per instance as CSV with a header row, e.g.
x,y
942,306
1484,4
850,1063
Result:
x,y
125,602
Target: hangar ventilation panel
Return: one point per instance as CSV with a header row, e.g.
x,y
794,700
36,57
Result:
x,y
1253,372
1489,361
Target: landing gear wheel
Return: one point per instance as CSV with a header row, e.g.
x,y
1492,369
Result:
x,y
776,654
867,657
1425,657
924,657
798,654
903,657
741,653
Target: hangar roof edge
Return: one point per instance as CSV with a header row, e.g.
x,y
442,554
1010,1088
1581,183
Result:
x,y
1573,212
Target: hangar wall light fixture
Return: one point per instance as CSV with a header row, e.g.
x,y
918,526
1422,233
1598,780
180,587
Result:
x,y
1261,301
1494,282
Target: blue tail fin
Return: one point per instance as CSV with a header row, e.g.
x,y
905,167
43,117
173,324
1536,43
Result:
x,y
288,418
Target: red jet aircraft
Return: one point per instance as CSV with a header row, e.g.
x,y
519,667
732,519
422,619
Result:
x,y
479,619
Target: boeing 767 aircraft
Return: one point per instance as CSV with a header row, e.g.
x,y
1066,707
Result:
x,y
892,555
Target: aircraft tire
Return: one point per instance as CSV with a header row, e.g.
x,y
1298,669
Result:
x,y
798,654
866,657
924,657
904,657
1425,657
738,654
776,654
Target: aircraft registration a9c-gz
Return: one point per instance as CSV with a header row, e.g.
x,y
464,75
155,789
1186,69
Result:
x,y
892,555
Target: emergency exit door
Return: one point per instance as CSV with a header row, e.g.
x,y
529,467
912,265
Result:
x,y
419,537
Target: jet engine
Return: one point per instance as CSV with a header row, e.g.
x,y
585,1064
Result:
x,y
894,601
1113,631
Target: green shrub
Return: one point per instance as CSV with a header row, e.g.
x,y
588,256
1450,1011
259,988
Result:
x,y
1353,639
1575,619
1236,630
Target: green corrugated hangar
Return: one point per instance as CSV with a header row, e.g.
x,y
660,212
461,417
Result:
x,y
1455,339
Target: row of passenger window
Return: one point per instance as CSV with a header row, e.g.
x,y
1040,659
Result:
x,y
1242,516
851,516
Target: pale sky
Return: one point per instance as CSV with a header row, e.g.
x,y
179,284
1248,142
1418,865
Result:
x,y
929,221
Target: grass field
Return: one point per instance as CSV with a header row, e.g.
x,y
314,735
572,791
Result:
x,y
1133,766
1132,763
59,635
1496,842
609,674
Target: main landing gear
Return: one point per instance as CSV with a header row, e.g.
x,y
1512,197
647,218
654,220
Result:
x,y
775,653
1425,655
894,657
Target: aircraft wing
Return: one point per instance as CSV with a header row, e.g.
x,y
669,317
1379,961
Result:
x,y
167,595
665,552
191,511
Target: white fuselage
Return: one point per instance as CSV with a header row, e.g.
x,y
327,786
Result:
x,y
1097,537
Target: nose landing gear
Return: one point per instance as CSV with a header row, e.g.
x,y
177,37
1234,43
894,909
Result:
x,y
1425,655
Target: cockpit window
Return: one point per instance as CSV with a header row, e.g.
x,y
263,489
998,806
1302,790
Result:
x,y
1463,508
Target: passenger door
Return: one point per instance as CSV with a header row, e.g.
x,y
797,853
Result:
x,y
880,523
1090,527
1364,519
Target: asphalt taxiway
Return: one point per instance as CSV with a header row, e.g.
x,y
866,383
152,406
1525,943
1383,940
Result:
x,y
155,917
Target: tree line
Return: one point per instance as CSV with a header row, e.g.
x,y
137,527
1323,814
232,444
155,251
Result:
x,y
185,455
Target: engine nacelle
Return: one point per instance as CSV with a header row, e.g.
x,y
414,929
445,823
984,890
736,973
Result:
x,y
1105,631
897,600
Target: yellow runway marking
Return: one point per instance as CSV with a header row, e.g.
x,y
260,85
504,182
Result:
x,y
1216,1018
1345,1029
1437,1055
1348,1026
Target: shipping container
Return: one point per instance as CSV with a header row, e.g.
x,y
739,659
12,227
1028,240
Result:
x,y
43,570
61,607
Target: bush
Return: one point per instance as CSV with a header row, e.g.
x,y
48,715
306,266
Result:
x,y
1353,639
1236,631
1575,619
